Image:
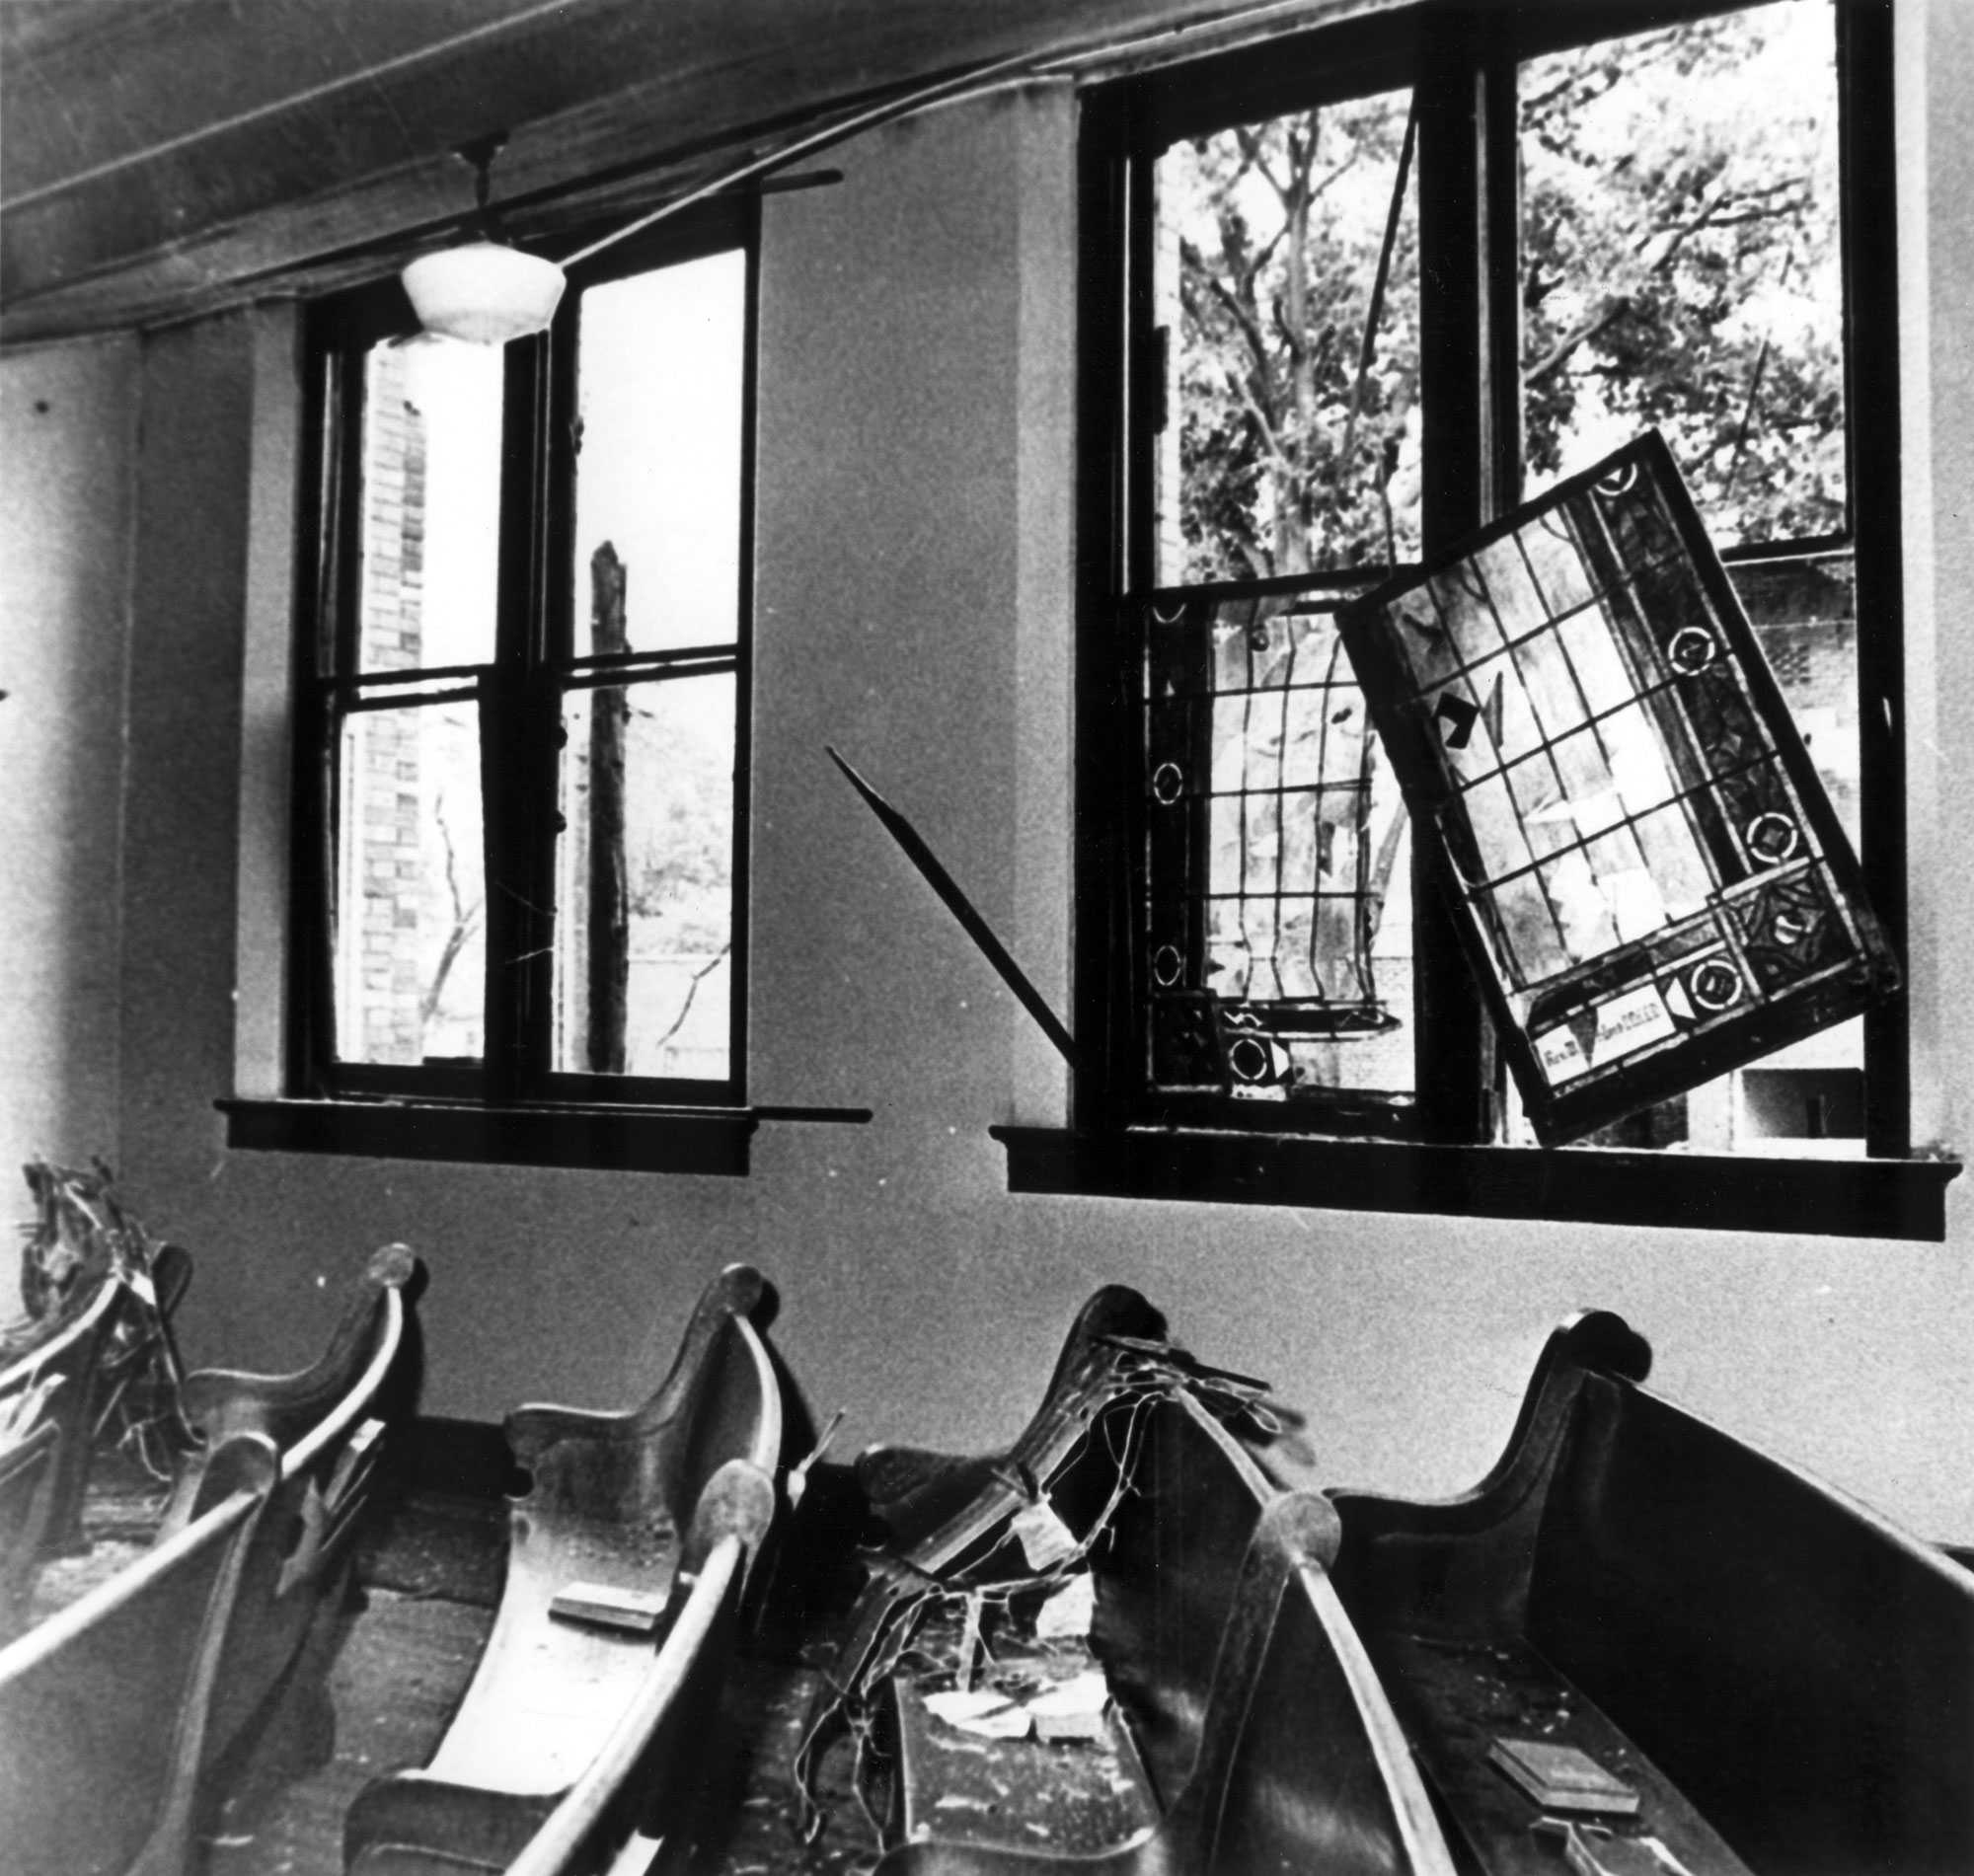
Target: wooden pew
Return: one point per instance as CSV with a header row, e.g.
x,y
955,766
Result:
x,y
122,1712
330,1422
28,1440
50,1394
106,1707
580,1741
1247,1733
946,1513
1786,1680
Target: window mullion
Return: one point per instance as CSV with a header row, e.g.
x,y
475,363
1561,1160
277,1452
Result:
x,y
517,748
1871,364
519,735
1468,441
332,570
1112,540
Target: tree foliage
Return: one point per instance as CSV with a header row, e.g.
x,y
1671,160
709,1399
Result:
x,y
1287,464
1679,268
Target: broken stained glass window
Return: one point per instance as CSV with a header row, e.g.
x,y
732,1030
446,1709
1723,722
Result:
x,y
1656,887
1274,844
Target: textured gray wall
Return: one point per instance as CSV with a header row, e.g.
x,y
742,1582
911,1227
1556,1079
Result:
x,y
68,423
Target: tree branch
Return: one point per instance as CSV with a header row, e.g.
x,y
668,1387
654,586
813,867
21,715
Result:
x,y
1242,316
1612,309
1250,151
692,990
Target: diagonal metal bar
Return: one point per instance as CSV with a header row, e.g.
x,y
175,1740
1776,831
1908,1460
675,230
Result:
x,y
956,902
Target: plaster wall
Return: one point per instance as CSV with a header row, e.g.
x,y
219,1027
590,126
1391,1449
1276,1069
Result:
x,y
68,418
913,608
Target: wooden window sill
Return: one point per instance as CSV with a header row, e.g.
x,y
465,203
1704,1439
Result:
x,y
1809,1197
709,1141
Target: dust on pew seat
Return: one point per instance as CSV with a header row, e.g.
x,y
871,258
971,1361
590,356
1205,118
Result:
x,y
120,1513
429,1578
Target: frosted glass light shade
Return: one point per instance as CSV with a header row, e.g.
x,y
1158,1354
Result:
x,y
484,292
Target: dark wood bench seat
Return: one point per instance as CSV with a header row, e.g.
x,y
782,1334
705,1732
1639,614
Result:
x,y
1787,1679
576,1738
47,1424
1247,1733
120,1714
106,1707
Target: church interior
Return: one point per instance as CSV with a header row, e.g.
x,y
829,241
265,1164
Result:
x,y
202,204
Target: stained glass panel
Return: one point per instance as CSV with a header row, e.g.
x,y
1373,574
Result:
x,y
1656,885
1276,910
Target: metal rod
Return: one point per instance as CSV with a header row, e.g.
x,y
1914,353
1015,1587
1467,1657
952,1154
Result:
x,y
956,902
1032,63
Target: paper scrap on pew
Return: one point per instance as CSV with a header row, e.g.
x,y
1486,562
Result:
x,y
1073,1710
1046,1539
981,1712
1067,1614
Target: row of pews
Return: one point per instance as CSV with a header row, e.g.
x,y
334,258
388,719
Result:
x,y
117,1709
1137,1642
1765,1676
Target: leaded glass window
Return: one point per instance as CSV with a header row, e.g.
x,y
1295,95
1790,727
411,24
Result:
x,y
1655,886
1374,285
1276,849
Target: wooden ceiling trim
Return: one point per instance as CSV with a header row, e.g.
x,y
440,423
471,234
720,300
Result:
x,y
331,182
181,71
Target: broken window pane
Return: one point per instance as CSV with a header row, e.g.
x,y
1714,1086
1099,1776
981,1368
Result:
x,y
1659,889
1681,264
1810,1094
1277,911
409,883
1276,460
644,931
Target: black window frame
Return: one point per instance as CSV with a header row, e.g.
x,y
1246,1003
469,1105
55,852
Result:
x,y
1463,61
512,1105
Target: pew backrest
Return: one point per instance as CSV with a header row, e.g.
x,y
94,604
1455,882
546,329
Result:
x,y
29,1443
1800,1671
61,1374
719,1400
1262,1725
105,1707
543,1738
1261,1722
337,1417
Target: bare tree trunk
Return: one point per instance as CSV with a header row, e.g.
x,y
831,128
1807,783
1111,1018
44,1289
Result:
x,y
609,893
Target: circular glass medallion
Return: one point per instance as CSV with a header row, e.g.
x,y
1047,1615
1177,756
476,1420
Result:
x,y
1692,650
1773,837
1714,984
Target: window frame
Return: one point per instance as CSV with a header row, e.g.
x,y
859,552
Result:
x,y
1464,67
513,1104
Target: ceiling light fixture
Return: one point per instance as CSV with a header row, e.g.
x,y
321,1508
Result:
x,y
485,292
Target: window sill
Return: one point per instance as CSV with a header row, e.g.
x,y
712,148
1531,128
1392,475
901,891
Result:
x,y
1813,1197
711,1141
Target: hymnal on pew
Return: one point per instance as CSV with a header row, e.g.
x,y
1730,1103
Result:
x,y
602,1606
1561,1778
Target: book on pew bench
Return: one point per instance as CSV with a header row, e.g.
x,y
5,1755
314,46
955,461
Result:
x,y
600,1606
1561,1778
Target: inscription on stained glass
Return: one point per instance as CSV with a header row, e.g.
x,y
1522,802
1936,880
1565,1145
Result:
x,y
1656,887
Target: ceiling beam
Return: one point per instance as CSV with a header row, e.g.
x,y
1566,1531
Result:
x,y
159,156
